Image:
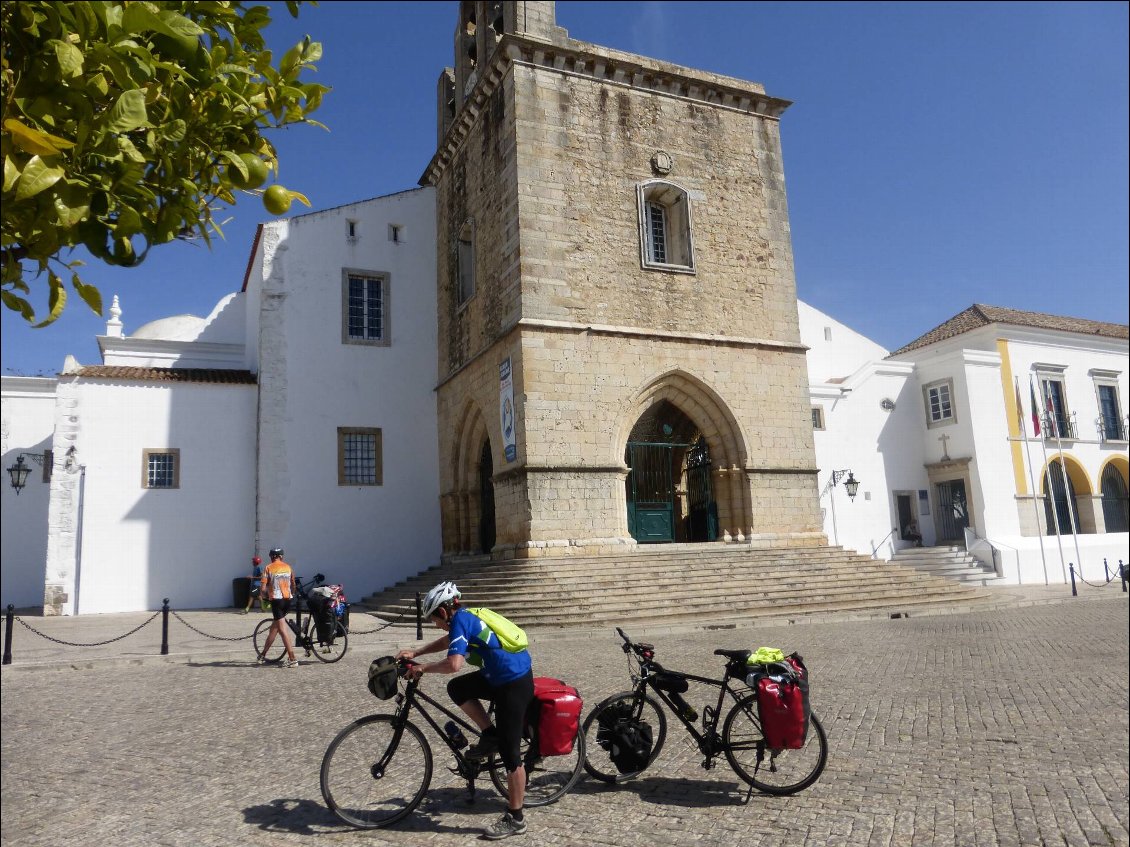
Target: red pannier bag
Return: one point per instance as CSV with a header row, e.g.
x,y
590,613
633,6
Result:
x,y
558,715
782,702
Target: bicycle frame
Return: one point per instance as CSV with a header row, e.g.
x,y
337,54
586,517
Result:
x,y
413,698
708,739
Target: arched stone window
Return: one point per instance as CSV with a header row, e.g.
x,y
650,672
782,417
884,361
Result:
x,y
665,227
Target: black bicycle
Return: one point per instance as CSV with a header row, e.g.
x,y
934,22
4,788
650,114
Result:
x,y
378,769
328,646
609,753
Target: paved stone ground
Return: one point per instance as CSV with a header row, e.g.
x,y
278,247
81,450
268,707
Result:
x,y
1003,727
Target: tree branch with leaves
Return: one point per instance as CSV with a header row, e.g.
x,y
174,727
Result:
x,y
130,124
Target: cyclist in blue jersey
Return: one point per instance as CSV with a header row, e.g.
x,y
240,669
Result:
x,y
505,678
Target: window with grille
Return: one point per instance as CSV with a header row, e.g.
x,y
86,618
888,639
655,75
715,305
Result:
x,y
365,318
939,403
160,468
359,456
665,227
818,417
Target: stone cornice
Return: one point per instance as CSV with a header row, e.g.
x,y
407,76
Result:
x,y
665,335
611,67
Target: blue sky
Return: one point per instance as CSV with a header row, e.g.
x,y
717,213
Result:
x,y
936,155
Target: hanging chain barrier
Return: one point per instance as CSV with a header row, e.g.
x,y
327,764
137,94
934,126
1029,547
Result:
x,y
164,613
1119,574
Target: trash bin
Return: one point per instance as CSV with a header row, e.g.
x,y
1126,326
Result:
x,y
240,591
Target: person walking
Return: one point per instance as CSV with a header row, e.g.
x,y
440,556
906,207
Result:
x,y
278,584
256,589
506,679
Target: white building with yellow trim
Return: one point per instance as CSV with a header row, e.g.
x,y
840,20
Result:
x,y
992,481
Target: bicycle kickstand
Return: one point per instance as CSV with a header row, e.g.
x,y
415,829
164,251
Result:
x,y
748,794
470,801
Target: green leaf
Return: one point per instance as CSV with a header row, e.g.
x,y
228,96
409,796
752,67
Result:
x,y
68,56
37,177
129,112
18,304
90,295
11,174
36,141
56,300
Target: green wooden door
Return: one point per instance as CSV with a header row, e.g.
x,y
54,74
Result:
x,y
651,492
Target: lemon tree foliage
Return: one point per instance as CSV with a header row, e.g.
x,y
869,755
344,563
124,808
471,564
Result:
x,y
130,124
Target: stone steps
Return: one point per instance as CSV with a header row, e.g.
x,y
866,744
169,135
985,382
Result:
x,y
700,586
951,563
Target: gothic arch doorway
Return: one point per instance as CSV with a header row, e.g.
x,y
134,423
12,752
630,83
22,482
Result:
x,y
469,516
669,487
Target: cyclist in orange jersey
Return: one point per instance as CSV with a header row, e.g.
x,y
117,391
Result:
x,y
277,585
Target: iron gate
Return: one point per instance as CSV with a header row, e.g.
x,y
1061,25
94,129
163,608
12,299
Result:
x,y
651,491
953,511
703,511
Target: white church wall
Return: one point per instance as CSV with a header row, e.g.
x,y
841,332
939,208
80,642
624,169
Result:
x,y
27,420
366,537
135,546
878,441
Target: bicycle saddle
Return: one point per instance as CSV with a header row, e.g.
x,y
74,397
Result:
x,y
739,655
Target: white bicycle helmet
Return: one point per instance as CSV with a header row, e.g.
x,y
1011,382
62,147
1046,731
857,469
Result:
x,y
445,592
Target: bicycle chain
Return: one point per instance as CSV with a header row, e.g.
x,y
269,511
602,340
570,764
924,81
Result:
x,y
207,635
91,644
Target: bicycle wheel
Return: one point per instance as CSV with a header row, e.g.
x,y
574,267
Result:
x,y
373,774
278,649
335,650
548,778
604,759
774,772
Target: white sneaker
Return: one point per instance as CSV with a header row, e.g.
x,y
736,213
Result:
x,y
290,663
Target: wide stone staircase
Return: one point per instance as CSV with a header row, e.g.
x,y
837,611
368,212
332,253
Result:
x,y
685,584
952,563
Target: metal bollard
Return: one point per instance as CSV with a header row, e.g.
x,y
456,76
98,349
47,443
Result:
x,y
1074,590
11,614
419,618
1122,575
1106,571
165,627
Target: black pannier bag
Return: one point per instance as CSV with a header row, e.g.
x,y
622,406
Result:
x,y
322,610
627,739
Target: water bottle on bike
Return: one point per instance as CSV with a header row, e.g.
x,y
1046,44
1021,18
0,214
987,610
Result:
x,y
455,734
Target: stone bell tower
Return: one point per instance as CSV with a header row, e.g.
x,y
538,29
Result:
x,y
619,349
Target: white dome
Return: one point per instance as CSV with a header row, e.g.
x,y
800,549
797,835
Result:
x,y
176,328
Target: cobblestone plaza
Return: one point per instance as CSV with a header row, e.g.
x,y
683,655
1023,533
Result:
x,y
1004,727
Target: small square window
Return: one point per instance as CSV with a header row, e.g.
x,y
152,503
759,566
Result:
x,y
359,459
160,468
818,417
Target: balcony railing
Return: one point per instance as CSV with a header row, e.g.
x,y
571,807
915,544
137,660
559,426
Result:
x,y
1111,428
1060,426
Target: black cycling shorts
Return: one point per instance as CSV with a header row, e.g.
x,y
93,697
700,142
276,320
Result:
x,y
511,700
280,608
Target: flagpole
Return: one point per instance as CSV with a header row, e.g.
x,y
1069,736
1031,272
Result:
x,y
1067,491
1031,479
1051,498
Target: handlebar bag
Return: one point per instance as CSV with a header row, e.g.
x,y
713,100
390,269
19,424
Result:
x,y
558,715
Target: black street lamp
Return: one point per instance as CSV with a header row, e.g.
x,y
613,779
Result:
x,y
851,484
19,472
